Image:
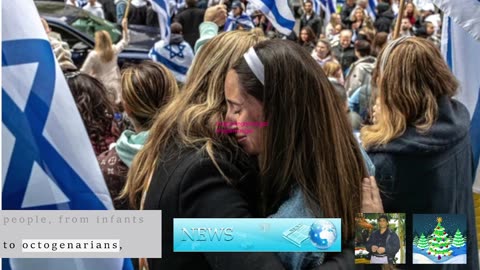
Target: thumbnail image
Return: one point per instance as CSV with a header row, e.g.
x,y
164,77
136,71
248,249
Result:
x,y
380,238
439,239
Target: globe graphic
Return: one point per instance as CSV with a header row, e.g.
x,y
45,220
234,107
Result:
x,y
323,234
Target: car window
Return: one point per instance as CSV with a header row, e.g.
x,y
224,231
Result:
x,y
90,25
67,37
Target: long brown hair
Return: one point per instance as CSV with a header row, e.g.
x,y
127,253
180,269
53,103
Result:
x,y
413,78
311,35
146,88
308,141
191,117
95,107
103,45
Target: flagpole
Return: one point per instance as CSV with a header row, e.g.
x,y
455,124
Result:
x,y
401,9
127,10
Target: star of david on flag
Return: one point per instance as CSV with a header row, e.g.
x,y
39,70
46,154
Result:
x,y
174,53
48,162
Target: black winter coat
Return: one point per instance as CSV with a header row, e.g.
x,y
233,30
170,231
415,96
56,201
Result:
x,y
346,57
188,185
384,20
431,173
190,19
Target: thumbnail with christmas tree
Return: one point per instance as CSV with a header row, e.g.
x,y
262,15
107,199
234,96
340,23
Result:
x,y
435,245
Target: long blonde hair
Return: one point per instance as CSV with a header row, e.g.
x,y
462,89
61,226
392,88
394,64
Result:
x,y
103,45
189,120
412,78
146,88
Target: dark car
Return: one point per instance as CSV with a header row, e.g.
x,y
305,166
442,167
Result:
x,y
77,27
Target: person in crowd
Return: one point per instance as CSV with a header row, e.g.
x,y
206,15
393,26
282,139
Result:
x,y
307,38
411,13
345,52
428,15
366,34
383,243
61,50
405,29
347,9
384,19
333,71
237,19
190,19
176,55
420,140
120,8
378,43
95,8
101,63
109,11
309,18
364,5
96,109
215,17
146,88
260,21
323,52
298,180
335,19
360,72
358,19
431,34
335,38
138,12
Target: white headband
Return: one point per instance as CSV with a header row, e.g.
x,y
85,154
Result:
x,y
255,64
388,50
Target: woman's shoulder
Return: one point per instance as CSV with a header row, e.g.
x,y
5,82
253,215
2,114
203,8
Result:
x,y
189,163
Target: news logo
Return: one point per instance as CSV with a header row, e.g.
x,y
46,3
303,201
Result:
x,y
261,235
322,234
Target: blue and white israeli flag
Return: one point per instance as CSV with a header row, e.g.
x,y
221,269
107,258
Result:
x,y
316,5
278,13
461,47
372,4
176,57
48,162
330,7
162,8
233,22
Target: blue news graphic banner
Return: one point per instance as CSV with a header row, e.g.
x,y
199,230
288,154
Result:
x,y
257,234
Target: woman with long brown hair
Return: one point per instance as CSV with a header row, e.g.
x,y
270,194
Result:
x,y
420,141
310,162
307,38
101,63
96,110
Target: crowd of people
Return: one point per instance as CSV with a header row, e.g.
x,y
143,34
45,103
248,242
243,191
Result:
x,y
346,106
